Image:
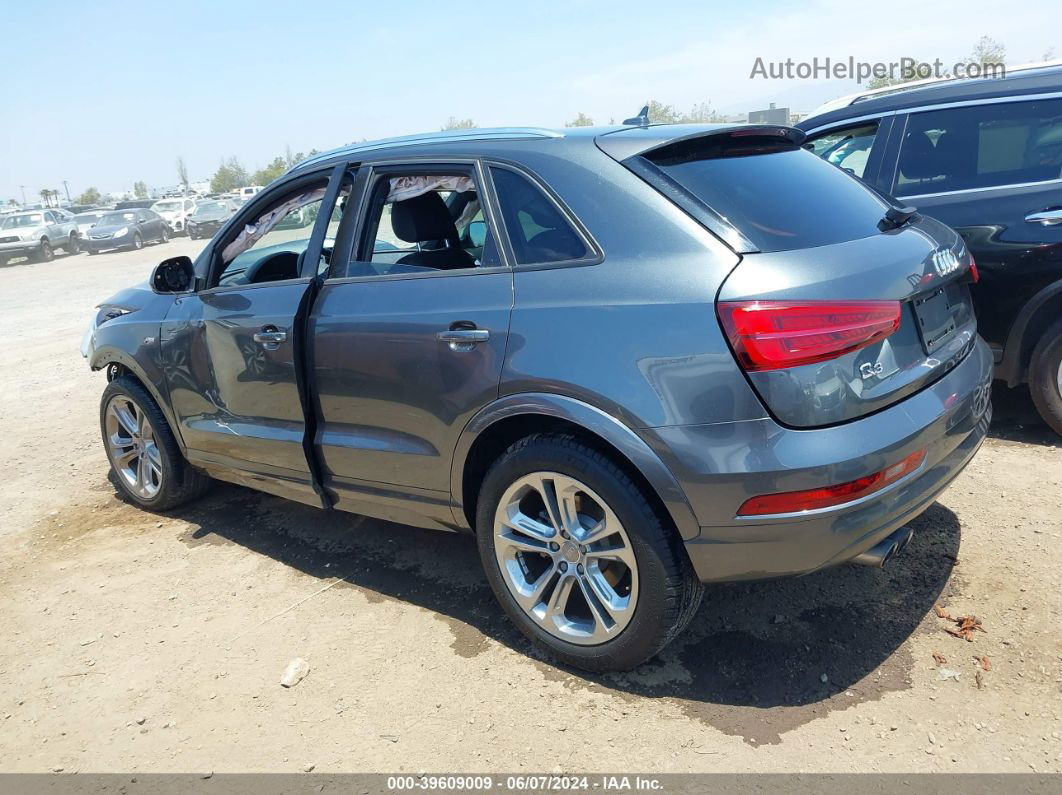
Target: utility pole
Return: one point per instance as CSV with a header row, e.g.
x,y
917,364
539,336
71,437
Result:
x,y
23,195
67,192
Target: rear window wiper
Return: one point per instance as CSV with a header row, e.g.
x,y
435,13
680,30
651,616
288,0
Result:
x,y
896,217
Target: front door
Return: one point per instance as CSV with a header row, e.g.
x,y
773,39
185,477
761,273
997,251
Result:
x,y
232,351
408,339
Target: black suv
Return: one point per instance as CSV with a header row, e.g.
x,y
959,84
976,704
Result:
x,y
985,157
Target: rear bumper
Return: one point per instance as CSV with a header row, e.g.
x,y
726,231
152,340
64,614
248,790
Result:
x,y
720,466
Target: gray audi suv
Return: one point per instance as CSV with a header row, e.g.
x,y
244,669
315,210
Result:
x,y
629,360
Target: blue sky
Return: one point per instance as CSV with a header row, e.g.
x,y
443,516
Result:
x,y
106,93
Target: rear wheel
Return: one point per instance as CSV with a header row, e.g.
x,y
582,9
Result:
x,y
143,452
1045,377
73,246
45,252
579,558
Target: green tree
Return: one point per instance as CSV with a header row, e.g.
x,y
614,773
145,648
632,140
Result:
x,y
13,202
659,113
988,51
182,172
229,176
898,79
90,196
702,113
140,189
264,176
582,120
459,124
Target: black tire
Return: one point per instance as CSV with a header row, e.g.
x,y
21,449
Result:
x,y
669,591
138,241
73,246
164,235
1045,377
193,236
45,253
181,482
92,251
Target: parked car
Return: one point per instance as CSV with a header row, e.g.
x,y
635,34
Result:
x,y
134,204
985,157
175,212
249,192
209,216
126,229
36,234
641,359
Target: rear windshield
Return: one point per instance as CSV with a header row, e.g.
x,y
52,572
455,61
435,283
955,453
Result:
x,y
779,196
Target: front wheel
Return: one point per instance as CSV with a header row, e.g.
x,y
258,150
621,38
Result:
x,y
164,236
143,452
45,252
138,241
1045,377
579,558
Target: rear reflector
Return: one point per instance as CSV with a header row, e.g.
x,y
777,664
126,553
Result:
x,y
827,496
769,335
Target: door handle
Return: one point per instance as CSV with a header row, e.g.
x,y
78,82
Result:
x,y
1052,216
270,337
463,339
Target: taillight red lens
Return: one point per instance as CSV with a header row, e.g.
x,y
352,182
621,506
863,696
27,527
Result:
x,y
768,335
975,275
827,496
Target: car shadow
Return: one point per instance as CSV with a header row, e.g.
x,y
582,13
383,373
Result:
x,y
757,660
1015,419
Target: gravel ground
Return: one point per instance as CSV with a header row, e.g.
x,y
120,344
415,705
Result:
x,y
136,642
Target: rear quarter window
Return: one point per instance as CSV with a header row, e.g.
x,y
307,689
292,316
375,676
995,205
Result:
x,y
779,196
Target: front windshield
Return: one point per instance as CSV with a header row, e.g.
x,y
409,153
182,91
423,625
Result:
x,y
211,207
22,221
166,207
117,219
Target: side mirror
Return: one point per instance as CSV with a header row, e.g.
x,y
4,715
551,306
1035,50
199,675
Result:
x,y
174,275
477,233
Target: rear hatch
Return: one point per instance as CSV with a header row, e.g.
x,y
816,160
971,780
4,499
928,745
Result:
x,y
833,312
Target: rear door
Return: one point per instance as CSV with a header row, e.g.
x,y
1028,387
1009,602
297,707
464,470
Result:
x,y
992,172
408,335
233,350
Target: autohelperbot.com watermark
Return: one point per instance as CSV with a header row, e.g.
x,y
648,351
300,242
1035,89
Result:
x,y
850,68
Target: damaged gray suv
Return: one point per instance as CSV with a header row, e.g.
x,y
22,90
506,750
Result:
x,y
629,360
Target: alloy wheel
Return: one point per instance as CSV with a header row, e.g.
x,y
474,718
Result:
x,y
132,447
566,558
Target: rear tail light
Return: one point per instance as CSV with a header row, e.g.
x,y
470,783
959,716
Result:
x,y
769,335
975,275
827,496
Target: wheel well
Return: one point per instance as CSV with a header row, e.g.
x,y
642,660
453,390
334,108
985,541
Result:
x,y
497,438
1044,318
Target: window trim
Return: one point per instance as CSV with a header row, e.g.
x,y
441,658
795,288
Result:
x,y
895,176
252,209
594,256
375,169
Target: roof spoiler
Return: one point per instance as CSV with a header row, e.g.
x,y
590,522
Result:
x,y
631,142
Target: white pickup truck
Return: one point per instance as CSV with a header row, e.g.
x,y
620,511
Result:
x,y
36,234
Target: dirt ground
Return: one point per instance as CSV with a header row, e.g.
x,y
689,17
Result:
x,y
135,642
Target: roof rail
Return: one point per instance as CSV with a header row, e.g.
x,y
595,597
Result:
x,y
873,93
444,136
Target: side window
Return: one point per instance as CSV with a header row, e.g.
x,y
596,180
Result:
x,y
537,229
270,247
981,146
847,148
49,218
417,223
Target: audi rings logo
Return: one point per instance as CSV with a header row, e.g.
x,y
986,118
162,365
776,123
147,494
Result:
x,y
945,261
